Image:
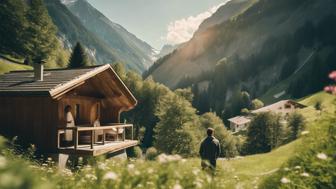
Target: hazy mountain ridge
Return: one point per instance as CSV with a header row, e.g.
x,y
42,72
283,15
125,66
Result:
x,y
242,36
129,48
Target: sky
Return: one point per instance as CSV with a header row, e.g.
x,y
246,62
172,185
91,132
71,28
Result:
x,y
159,22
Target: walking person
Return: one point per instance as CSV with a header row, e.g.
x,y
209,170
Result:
x,y
209,150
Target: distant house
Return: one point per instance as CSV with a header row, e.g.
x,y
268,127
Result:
x,y
239,123
283,107
33,104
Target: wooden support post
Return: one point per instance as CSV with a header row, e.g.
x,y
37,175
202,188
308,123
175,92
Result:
x,y
58,139
103,137
124,133
75,132
132,133
117,133
92,139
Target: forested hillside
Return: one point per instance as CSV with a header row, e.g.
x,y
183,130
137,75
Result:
x,y
129,48
267,43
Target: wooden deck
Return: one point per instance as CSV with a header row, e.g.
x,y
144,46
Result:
x,y
98,148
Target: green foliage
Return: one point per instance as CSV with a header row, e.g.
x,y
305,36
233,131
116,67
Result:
x,y
256,104
78,57
227,142
318,105
244,111
314,164
177,131
264,133
151,153
14,24
41,32
296,123
134,152
185,93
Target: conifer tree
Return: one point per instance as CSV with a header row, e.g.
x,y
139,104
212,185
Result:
x,y
13,26
78,57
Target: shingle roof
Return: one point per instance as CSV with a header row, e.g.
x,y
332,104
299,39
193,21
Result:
x,y
239,120
22,83
275,106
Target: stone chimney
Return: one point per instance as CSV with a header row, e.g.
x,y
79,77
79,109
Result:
x,y
38,70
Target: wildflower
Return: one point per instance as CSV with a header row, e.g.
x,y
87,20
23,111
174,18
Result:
x,y
297,167
305,174
195,171
286,169
285,180
91,177
49,159
332,75
177,186
3,162
80,159
150,171
322,156
163,158
330,89
110,176
236,177
102,166
304,132
130,166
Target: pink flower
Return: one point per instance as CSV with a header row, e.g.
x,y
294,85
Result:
x,y
332,75
330,89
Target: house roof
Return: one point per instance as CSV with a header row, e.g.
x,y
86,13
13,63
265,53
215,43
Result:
x,y
239,120
275,106
55,82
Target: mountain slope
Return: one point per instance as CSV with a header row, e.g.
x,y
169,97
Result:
x,y
72,30
129,48
241,37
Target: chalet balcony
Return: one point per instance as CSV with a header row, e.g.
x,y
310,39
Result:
x,y
95,141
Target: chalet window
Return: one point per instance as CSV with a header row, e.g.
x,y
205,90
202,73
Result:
x,y
77,110
288,106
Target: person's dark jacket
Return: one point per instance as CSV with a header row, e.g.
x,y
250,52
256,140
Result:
x,y
210,149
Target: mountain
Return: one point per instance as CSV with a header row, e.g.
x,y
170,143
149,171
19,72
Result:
x,y
288,44
128,47
71,30
229,10
166,49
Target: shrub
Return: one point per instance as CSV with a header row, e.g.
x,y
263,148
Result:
x,y
227,141
134,152
264,133
296,123
151,153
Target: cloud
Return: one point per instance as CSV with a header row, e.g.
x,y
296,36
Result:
x,y
182,30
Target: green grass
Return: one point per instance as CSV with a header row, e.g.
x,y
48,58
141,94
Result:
x,y
7,67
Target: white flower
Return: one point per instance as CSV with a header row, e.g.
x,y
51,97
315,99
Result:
x,y
236,177
3,162
304,132
91,177
163,158
80,159
150,171
297,167
286,169
322,156
195,171
177,186
110,176
130,166
102,166
285,180
49,159
305,174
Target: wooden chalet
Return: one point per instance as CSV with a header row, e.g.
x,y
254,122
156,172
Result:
x,y
33,102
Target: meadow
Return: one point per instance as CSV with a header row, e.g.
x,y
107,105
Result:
x,y
172,171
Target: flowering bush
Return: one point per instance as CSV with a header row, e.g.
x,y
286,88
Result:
x,y
332,88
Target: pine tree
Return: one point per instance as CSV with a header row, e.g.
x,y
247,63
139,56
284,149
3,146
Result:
x,y
13,26
41,33
78,57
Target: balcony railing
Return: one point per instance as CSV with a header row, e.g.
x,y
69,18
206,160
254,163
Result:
x,y
116,128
